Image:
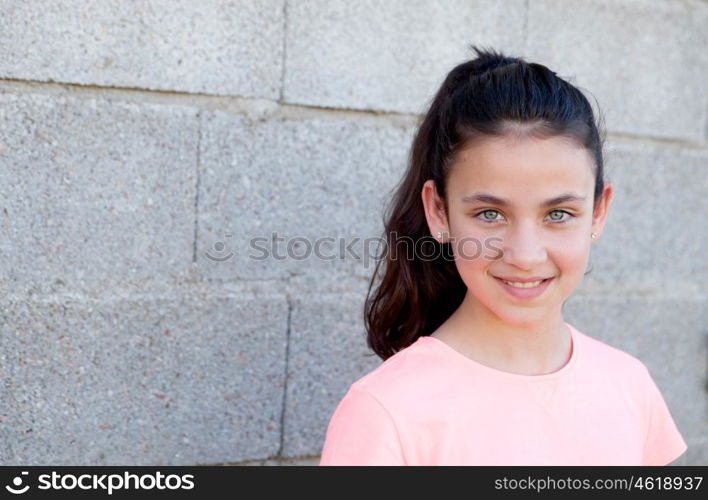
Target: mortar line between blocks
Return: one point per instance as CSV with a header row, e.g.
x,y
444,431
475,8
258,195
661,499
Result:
x,y
285,380
198,180
285,47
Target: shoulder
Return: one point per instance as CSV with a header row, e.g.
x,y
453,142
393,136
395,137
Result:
x,y
410,371
602,357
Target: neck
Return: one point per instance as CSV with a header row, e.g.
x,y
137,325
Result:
x,y
531,348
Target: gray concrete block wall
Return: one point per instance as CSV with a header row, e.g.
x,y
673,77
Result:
x,y
644,61
151,379
95,192
210,47
386,56
142,142
271,178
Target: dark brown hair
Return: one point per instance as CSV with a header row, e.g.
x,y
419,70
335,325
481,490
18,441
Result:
x,y
490,95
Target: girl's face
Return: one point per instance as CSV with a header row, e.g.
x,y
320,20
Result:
x,y
519,209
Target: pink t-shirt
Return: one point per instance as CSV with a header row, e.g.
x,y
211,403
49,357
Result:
x,y
431,405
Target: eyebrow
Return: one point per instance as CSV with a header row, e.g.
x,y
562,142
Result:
x,y
488,198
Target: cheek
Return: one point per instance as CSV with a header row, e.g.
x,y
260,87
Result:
x,y
471,273
471,242
471,258
469,251
571,257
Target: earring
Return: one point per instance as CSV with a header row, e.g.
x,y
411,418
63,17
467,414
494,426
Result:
x,y
439,235
593,235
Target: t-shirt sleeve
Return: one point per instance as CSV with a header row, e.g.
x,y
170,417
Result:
x,y
663,443
361,432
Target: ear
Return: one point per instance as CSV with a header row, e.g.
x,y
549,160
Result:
x,y
599,215
434,210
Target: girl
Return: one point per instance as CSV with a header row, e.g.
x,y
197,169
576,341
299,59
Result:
x,y
480,368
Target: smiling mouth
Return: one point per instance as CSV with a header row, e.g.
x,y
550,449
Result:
x,y
525,291
530,284
523,284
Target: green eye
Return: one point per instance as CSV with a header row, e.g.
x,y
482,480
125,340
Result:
x,y
486,214
559,214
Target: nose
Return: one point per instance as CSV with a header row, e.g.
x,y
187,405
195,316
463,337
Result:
x,y
523,247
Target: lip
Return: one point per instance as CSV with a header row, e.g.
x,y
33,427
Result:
x,y
525,293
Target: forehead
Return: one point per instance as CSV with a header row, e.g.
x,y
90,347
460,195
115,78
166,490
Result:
x,y
520,167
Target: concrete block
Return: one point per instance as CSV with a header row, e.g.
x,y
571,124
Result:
x,y
645,62
212,47
311,189
328,353
654,237
389,56
94,193
192,378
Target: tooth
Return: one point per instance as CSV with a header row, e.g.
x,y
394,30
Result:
x,y
524,285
